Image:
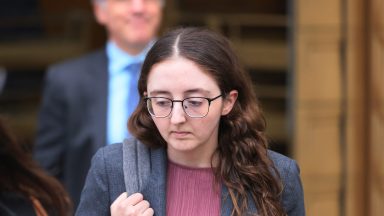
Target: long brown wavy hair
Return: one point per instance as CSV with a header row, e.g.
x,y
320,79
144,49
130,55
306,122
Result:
x,y
243,163
20,174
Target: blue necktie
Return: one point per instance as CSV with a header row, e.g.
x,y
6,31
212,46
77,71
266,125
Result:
x,y
122,103
133,95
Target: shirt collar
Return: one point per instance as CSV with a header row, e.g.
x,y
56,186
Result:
x,y
119,59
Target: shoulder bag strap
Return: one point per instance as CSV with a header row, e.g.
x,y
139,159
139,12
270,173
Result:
x,y
136,165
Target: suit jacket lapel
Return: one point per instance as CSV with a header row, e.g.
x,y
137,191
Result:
x,y
155,190
99,79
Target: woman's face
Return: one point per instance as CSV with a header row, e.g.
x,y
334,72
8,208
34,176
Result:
x,y
190,141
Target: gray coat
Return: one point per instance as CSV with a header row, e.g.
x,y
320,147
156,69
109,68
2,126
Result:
x,y
105,180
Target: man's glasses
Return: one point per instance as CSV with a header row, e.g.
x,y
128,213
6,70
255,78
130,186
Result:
x,y
194,107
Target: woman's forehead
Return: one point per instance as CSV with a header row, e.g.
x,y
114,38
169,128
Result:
x,y
179,73
186,92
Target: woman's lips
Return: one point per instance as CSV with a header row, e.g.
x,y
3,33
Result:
x,y
180,134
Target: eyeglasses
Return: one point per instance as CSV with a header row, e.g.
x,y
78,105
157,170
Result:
x,y
194,107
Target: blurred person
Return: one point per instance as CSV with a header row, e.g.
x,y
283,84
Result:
x,y
199,145
25,188
87,101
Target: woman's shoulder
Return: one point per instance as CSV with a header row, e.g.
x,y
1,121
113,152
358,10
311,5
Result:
x,y
111,151
283,163
289,171
292,197
108,155
114,154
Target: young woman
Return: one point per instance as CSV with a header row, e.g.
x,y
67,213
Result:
x,y
200,147
25,189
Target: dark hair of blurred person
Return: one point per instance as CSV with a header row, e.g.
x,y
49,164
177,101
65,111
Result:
x,y
25,189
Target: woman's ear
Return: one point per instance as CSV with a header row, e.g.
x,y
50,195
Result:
x,y
229,101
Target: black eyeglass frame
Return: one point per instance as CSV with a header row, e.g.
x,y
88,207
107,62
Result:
x,y
182,105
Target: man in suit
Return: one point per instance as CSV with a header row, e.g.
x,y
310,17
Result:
x,y
87,101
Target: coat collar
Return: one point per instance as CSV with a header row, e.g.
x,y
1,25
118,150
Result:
x,y
155,190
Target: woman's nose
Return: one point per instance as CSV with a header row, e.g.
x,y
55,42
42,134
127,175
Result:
x,y
178,115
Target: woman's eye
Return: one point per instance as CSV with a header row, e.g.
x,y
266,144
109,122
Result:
x,y
195,102
163,103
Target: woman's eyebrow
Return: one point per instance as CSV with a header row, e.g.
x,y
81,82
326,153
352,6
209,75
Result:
x,y
158,92
197,90
155,92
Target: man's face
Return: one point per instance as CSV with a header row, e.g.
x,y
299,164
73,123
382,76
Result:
x,y
131,24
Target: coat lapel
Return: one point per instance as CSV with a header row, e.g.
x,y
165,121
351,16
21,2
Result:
x,y
155,190
227,205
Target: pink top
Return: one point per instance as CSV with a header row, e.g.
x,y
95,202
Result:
x,y
192,191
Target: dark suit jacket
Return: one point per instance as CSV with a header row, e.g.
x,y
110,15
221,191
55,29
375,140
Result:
x,y
105,182
72,119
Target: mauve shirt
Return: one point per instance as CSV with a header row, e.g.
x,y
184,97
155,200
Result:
x,y
192,191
